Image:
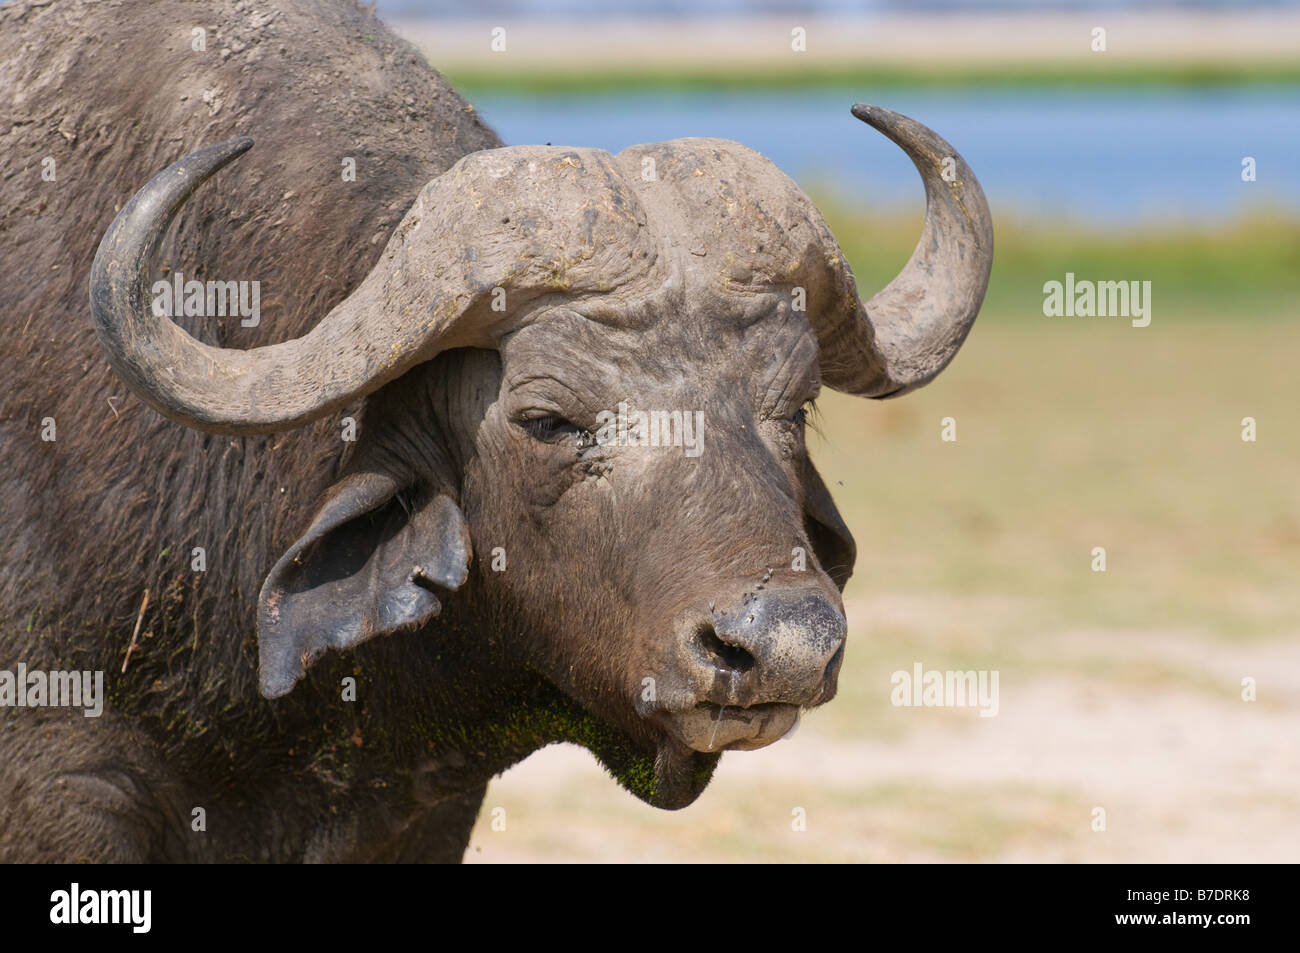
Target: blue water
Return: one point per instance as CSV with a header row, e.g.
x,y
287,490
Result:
x,y
1116,156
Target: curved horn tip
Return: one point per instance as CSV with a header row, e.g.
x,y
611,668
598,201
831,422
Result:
x,y
878,117
872,115
913,137
239,145
223,152
208,160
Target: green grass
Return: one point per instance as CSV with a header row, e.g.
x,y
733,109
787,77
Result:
x,y
1248,269
473,79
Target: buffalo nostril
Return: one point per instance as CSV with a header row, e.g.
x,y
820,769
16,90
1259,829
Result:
x,y
730,658
833,666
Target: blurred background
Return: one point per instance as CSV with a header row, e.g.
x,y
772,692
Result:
x,y
1122,689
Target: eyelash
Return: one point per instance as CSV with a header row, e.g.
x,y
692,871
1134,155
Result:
x,y
804,414
550,428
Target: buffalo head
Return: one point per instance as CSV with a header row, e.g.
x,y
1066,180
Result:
x,y
590,372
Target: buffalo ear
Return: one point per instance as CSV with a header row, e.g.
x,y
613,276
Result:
x,y
366,566
831,540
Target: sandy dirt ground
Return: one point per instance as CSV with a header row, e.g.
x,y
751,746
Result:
x,y
1184,769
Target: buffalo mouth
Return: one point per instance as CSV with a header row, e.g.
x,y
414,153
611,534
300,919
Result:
x,y
709,727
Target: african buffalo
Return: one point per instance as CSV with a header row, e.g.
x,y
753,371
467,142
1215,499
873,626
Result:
x,y
501,559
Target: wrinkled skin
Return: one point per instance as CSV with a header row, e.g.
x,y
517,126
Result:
x,y
713,528
511,444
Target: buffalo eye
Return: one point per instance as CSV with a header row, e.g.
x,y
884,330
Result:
x,y
800,417
551,428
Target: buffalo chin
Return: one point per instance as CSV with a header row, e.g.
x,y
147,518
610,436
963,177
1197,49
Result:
x,y
681,775
682,763
669,777
650,762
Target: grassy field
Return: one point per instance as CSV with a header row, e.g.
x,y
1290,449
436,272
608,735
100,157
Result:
x,y
1244,270
473,79
1119,690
